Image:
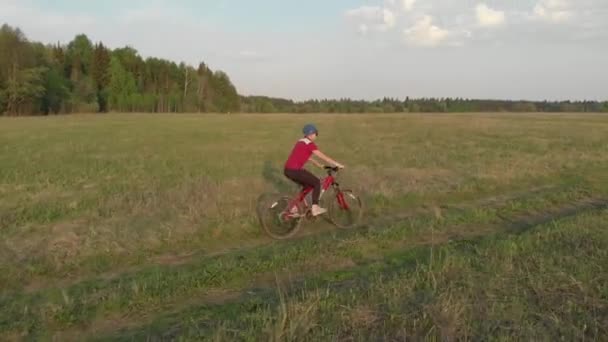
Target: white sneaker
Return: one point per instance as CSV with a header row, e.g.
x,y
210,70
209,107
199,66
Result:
x,y
316,210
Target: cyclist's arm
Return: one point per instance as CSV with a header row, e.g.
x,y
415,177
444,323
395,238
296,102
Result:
x,y
314,161
326,158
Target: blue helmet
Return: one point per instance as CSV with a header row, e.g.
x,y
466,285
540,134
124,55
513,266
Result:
x,y
310,129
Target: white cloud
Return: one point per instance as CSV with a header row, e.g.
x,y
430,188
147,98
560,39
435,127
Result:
x,y
424,33
373,18
363,29
489,17
552,10
388,18
408,5
365,12
390,3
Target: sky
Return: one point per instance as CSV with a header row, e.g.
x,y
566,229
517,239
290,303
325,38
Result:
x,y
363,49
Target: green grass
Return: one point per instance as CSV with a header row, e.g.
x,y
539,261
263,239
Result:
x,y
143,226
511,287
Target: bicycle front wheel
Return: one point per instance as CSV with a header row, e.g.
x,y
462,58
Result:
x,y
345,209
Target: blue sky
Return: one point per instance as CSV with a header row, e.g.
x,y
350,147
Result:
x,y
259,15
527,49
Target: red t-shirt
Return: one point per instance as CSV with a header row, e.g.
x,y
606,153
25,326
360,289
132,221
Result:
x,y
300,154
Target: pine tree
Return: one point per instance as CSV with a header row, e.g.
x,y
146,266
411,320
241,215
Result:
x,y
100,72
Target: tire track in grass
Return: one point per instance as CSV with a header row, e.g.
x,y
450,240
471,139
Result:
x,y
175,260
263,284
169,326
94,298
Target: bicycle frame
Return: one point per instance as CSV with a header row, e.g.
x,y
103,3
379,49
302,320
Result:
x,y
326,183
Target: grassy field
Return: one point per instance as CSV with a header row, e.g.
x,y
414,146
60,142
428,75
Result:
x,y
143,227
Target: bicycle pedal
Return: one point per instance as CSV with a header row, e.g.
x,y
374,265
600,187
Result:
x,y
311,217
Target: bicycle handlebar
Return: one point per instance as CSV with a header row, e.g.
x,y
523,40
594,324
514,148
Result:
x,y
332,168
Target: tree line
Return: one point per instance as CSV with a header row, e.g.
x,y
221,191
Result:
x,y
262,104
83,76
86,77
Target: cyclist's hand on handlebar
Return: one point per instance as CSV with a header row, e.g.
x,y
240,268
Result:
x,y
339,166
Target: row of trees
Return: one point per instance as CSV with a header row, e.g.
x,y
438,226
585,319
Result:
x,y
261,104
86,77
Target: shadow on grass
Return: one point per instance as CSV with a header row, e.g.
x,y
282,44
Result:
x,y
275,177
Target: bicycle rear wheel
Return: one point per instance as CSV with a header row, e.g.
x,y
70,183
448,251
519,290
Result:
x,y
277,219
345,209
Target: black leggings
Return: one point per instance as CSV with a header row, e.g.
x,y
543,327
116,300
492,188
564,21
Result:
x,y
306,179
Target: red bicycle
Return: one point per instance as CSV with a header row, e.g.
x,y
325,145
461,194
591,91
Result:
x,y
281,216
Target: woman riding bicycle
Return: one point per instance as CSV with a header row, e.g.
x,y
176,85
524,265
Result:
x,y
302,152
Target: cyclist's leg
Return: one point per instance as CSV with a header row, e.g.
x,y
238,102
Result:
x,y
294,176
315,183
305,178
308,179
